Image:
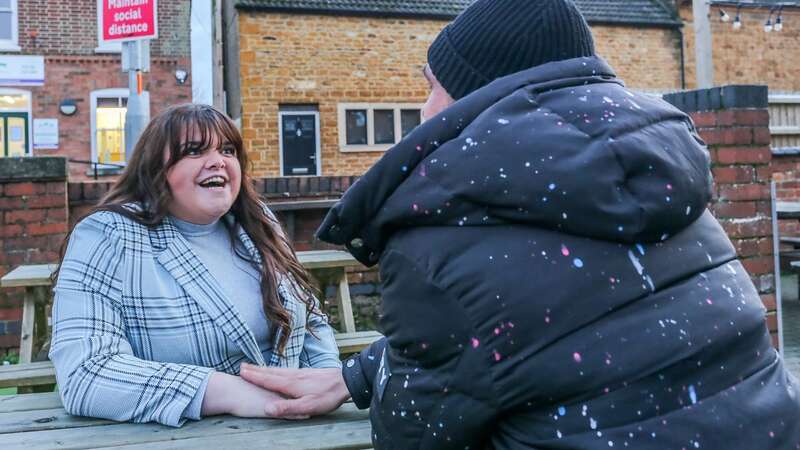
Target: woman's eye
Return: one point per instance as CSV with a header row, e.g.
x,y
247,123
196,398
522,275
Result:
x,y
230,151
192,151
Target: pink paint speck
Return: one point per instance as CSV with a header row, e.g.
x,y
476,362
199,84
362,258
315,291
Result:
x,y
708,300
669,187
415,207
577,357
497,331
510,325
613,280
564,250
497,356
419,148
546,319
475,343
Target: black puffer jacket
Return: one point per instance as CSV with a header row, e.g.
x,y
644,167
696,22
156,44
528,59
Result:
x,y
552,279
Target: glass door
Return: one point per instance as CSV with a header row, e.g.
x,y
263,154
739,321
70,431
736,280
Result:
x,y
14,139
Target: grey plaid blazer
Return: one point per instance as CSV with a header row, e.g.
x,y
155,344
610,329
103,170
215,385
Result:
x,y
139,323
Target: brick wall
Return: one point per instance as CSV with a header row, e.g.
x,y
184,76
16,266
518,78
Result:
x,y
325,60
33,224
734,123
75,77
748,55
69,27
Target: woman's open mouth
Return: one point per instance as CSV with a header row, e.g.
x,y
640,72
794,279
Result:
x,y
214,183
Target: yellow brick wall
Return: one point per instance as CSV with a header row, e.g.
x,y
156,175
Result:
x,y
327,60
749,55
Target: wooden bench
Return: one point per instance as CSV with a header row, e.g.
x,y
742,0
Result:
x,y
42,373
324,266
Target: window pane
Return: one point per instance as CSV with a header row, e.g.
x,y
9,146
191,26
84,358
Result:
x,y
13,101
108,102
5,26
110,146
110,118
356,127
384,126
409,119
16,136
5,4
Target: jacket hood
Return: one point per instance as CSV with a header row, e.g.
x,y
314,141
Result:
x,y
562,146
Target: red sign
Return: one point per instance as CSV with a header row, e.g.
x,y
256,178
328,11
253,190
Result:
x,y
128,20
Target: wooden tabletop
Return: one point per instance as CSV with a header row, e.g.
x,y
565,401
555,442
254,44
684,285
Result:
x,y
34,275
39,275
37,421
323,259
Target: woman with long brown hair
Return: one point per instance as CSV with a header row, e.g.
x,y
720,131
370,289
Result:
x,y
178,276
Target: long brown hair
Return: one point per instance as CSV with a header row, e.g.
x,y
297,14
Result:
x,y
144,182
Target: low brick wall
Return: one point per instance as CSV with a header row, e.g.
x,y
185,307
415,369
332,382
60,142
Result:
x,y
734,123
33,225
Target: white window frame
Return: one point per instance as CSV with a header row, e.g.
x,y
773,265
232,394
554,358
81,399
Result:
x,y
102,45
28,110
103,93
371,146
13,44
318,159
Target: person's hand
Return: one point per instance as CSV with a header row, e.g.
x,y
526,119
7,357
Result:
x,y
228,394
308,392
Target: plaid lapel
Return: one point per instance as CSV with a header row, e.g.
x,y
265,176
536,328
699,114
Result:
x,y
187,269
286,295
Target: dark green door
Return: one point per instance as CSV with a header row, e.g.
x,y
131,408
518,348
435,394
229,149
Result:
x,y
14,139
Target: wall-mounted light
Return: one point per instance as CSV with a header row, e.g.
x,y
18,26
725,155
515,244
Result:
x,y
68,107
737,22
181,76
779,20
723,16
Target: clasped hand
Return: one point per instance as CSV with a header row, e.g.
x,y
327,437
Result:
x,y
300,393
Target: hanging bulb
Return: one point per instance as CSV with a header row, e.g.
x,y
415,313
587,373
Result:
x,y
768,26
723,16
778,24
737,22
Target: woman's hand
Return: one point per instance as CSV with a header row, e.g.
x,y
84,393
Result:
x,y
228,394
309,392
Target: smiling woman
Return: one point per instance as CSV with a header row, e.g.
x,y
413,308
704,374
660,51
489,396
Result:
x,y
178,276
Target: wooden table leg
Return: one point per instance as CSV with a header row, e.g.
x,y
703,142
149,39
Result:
x,y
345,307
26,334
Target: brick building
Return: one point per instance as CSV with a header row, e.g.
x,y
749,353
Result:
x,y
347,73
56,44
324,87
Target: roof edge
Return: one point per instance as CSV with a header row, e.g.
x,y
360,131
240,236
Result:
x,y
434,16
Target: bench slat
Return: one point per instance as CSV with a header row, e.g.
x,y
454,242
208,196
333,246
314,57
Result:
x,y
42,372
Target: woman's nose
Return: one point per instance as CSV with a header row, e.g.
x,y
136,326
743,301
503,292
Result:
x,y
215,160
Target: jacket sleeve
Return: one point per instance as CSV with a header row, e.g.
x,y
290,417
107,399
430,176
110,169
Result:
x,y
319,346
97,372
359,373
434,389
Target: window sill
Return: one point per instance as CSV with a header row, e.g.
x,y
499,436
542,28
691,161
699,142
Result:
x,y
8,47
365,148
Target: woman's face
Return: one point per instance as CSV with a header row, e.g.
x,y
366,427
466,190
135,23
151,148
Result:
x,y
204,183
438,100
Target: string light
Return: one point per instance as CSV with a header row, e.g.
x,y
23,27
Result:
x,y
772,24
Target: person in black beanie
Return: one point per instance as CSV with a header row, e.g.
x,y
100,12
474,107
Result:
x,y
551,276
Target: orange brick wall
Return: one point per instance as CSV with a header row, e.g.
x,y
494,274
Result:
x,y
749,55
326,60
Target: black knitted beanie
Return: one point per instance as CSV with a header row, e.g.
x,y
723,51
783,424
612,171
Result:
x,y
494,38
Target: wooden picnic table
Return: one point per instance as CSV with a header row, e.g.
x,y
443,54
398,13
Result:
x,y
38,421
324,265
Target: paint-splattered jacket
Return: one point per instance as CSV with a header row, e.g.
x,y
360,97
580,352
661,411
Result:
x,y
552,279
